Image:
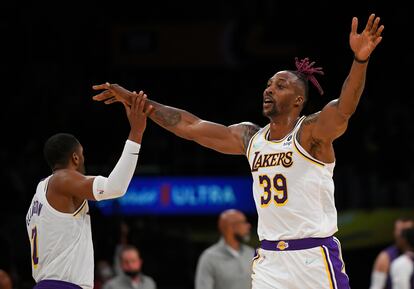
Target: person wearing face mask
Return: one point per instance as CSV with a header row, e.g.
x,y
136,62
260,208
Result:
x,y
132,277
227,264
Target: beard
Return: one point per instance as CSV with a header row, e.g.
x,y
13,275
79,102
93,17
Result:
x,y
132,273
242,238
270,112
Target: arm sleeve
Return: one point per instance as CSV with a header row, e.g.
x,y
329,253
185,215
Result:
x,y
117,183
204,274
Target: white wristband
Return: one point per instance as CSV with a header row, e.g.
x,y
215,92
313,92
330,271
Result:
x,y
118,181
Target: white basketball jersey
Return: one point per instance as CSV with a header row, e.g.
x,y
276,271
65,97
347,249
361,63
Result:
x,y
293,192
61,243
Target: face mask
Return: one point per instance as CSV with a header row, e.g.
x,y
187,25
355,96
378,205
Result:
x,y
106,272
242,239
132,274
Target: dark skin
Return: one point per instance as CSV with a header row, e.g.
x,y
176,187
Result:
x,y
283,101
68,187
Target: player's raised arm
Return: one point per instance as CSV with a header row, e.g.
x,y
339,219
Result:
x,y
76,184
332,121
231,139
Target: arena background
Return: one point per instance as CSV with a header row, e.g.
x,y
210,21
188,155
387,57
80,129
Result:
x,y
212,58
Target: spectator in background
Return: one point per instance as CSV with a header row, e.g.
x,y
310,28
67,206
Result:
x,y
402,269
380,277
132,277
104,273
227,264
5,280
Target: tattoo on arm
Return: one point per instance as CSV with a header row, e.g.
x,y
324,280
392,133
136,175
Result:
x,y
167,116
248,131
307,121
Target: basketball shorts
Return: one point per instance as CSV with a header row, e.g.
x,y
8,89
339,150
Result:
x,y
299,264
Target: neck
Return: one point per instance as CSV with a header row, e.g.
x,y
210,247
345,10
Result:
x,y
232,242
280,126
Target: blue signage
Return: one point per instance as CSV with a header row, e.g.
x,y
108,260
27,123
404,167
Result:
x,y
182,196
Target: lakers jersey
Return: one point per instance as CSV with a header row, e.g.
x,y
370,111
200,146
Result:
x,y
61,243
293,192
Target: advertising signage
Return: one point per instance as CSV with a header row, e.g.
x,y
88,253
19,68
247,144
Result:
x,y
182,196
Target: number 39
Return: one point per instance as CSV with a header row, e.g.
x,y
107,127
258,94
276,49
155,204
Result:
x,y
277,184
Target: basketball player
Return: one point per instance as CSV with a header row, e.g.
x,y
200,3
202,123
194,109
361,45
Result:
x,y
380,276
58,221
402,269
292,161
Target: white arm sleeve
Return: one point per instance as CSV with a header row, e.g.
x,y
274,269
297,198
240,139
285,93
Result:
x,y
118,181
378,280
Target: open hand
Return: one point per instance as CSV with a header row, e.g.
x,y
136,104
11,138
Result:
x,y
364,43
112,93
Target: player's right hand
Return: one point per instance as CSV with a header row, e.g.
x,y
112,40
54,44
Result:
x,y
137,115
112,93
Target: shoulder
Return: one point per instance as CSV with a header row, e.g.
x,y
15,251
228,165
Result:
x,y
246,126
112,283
310,119
382,262
148,279
210,254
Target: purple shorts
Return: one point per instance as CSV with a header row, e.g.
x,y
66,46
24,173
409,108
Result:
x,y
55,284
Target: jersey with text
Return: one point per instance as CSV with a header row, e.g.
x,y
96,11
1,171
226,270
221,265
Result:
x,y
61,243
293,192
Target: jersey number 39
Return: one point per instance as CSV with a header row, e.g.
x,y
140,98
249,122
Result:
x,y
273,189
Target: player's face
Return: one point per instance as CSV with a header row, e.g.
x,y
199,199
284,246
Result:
x,y
241,227
279,94
131,261
399,227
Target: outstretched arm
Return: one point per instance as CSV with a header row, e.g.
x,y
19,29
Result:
x,y
231,139
332,121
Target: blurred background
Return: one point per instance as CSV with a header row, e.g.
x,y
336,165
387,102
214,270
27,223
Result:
x,y
212,58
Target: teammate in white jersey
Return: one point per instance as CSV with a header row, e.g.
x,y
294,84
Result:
x,y
58,221
292,161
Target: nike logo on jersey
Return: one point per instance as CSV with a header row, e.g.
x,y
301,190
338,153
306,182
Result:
x,y
135,154
310,261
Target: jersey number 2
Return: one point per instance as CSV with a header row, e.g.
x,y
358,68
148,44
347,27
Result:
x,y
35,257
277,185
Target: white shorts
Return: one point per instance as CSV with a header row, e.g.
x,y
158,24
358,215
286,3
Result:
x,y
289,266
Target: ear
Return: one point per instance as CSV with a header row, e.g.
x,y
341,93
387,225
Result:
x,y
299,100
75,158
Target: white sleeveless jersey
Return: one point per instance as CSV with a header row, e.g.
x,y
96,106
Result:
x,y
61,243
293,192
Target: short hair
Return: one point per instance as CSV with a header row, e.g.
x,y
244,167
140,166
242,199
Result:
x,y
58,149
125,248
404,219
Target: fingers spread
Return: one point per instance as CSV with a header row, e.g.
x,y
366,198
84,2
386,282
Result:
x,y
103,95
379,31
370,21
375,25
111,100
354,25
100,86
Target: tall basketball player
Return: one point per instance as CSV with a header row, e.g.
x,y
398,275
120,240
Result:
x,y
292,161
58,221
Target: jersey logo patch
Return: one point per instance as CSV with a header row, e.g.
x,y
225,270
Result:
x,y
282,245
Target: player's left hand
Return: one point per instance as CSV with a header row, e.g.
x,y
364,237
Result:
x,y
364,43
